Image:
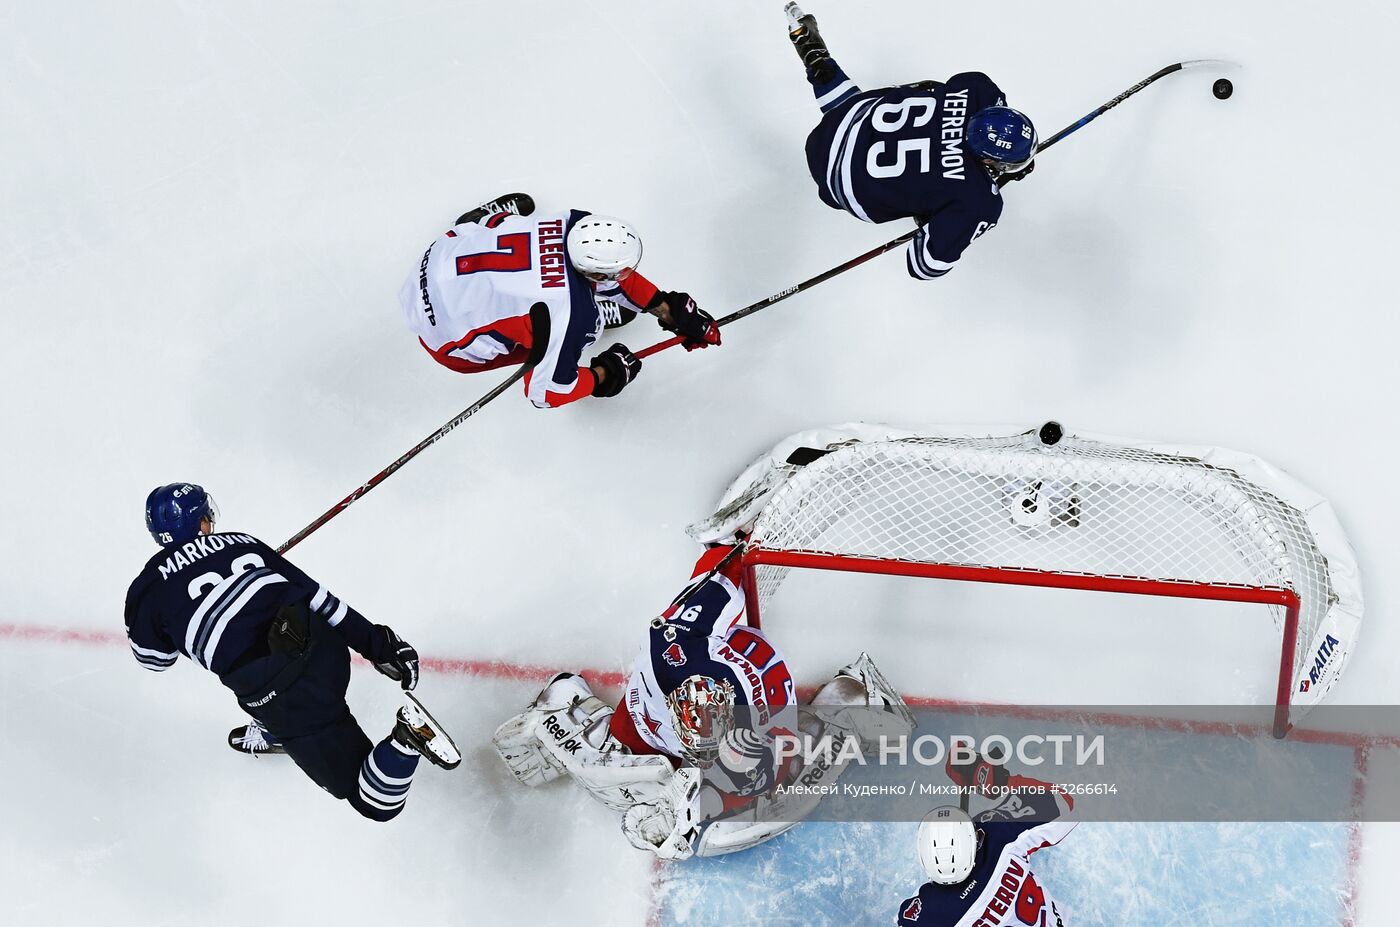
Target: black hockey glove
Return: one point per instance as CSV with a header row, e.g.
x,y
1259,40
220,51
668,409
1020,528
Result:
x,y
619,367
1022,174
980,773
688,320
393,656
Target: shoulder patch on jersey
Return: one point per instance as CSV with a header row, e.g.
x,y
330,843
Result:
x,y
674,655
912,910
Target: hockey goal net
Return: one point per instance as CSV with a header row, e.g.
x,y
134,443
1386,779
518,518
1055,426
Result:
x,y
1041,508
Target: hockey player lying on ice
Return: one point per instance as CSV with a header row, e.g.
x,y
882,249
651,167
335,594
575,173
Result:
x,y
979,868
936,152
689,774
499,289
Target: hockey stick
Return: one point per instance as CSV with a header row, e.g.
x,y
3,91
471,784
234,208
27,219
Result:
x,y
1140,85
891,245
696,584
384,474
784,294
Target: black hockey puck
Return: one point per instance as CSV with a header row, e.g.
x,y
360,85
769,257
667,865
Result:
x,y
1051,433
1222,88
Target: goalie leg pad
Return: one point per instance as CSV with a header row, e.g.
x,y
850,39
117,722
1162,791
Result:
x,y
517,741
720,837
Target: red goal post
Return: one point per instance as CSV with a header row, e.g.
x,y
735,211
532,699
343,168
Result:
x,y
1039,508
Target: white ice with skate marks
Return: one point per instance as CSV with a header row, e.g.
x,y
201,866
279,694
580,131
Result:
x,y
208,211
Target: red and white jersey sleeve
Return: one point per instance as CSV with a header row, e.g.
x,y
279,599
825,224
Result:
x,y
703,636
469,302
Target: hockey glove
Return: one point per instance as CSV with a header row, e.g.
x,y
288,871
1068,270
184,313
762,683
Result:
x,y
688,320
1022,174
618,367
979,773
393,656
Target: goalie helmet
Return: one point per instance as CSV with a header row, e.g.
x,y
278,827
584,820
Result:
x,y
1002,136
174,512
947,845
702,710
603,248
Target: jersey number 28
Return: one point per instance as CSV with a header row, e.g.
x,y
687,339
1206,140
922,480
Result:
x,y
892,117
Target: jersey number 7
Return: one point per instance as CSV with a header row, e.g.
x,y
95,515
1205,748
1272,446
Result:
x,y
512,254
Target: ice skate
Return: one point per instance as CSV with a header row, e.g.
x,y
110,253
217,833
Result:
x,y
419,730
517,204
254,739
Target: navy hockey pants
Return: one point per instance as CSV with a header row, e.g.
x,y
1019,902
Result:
x,y
300,699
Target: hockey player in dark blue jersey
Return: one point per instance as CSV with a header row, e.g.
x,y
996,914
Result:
x,y
936,152
979,868
280,642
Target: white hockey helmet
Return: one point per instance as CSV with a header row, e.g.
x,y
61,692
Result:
x,y
702,711
947,845
604,248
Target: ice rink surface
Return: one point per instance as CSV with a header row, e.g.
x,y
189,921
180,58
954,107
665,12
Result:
x,y
208,210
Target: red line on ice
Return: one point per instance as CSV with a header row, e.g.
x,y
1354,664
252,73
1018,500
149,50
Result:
x,y
528,672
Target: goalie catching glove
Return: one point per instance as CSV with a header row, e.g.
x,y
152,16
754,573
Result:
x,y
679,315
669,825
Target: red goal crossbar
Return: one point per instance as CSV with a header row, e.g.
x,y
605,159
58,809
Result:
x,y
1262,595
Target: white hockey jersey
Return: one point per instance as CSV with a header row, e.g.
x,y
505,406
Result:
x,y
704,636
469,302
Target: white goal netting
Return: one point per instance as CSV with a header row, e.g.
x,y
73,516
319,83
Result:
x,y
1082,507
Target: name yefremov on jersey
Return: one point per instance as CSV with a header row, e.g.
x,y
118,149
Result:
x,y
469,302
706,636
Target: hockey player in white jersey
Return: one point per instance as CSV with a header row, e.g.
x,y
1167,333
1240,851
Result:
x,y
979,868
503,287
687,754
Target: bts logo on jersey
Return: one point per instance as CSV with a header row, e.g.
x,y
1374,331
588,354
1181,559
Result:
x,y
674,655
916,907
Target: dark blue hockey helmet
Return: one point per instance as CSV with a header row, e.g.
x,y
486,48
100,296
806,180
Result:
x,y
1003,136
174,511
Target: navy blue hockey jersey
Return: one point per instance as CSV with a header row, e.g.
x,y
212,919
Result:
x,y
899,153
213,599
1002,890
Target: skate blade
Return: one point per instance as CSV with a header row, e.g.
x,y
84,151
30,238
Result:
x,y
442,750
